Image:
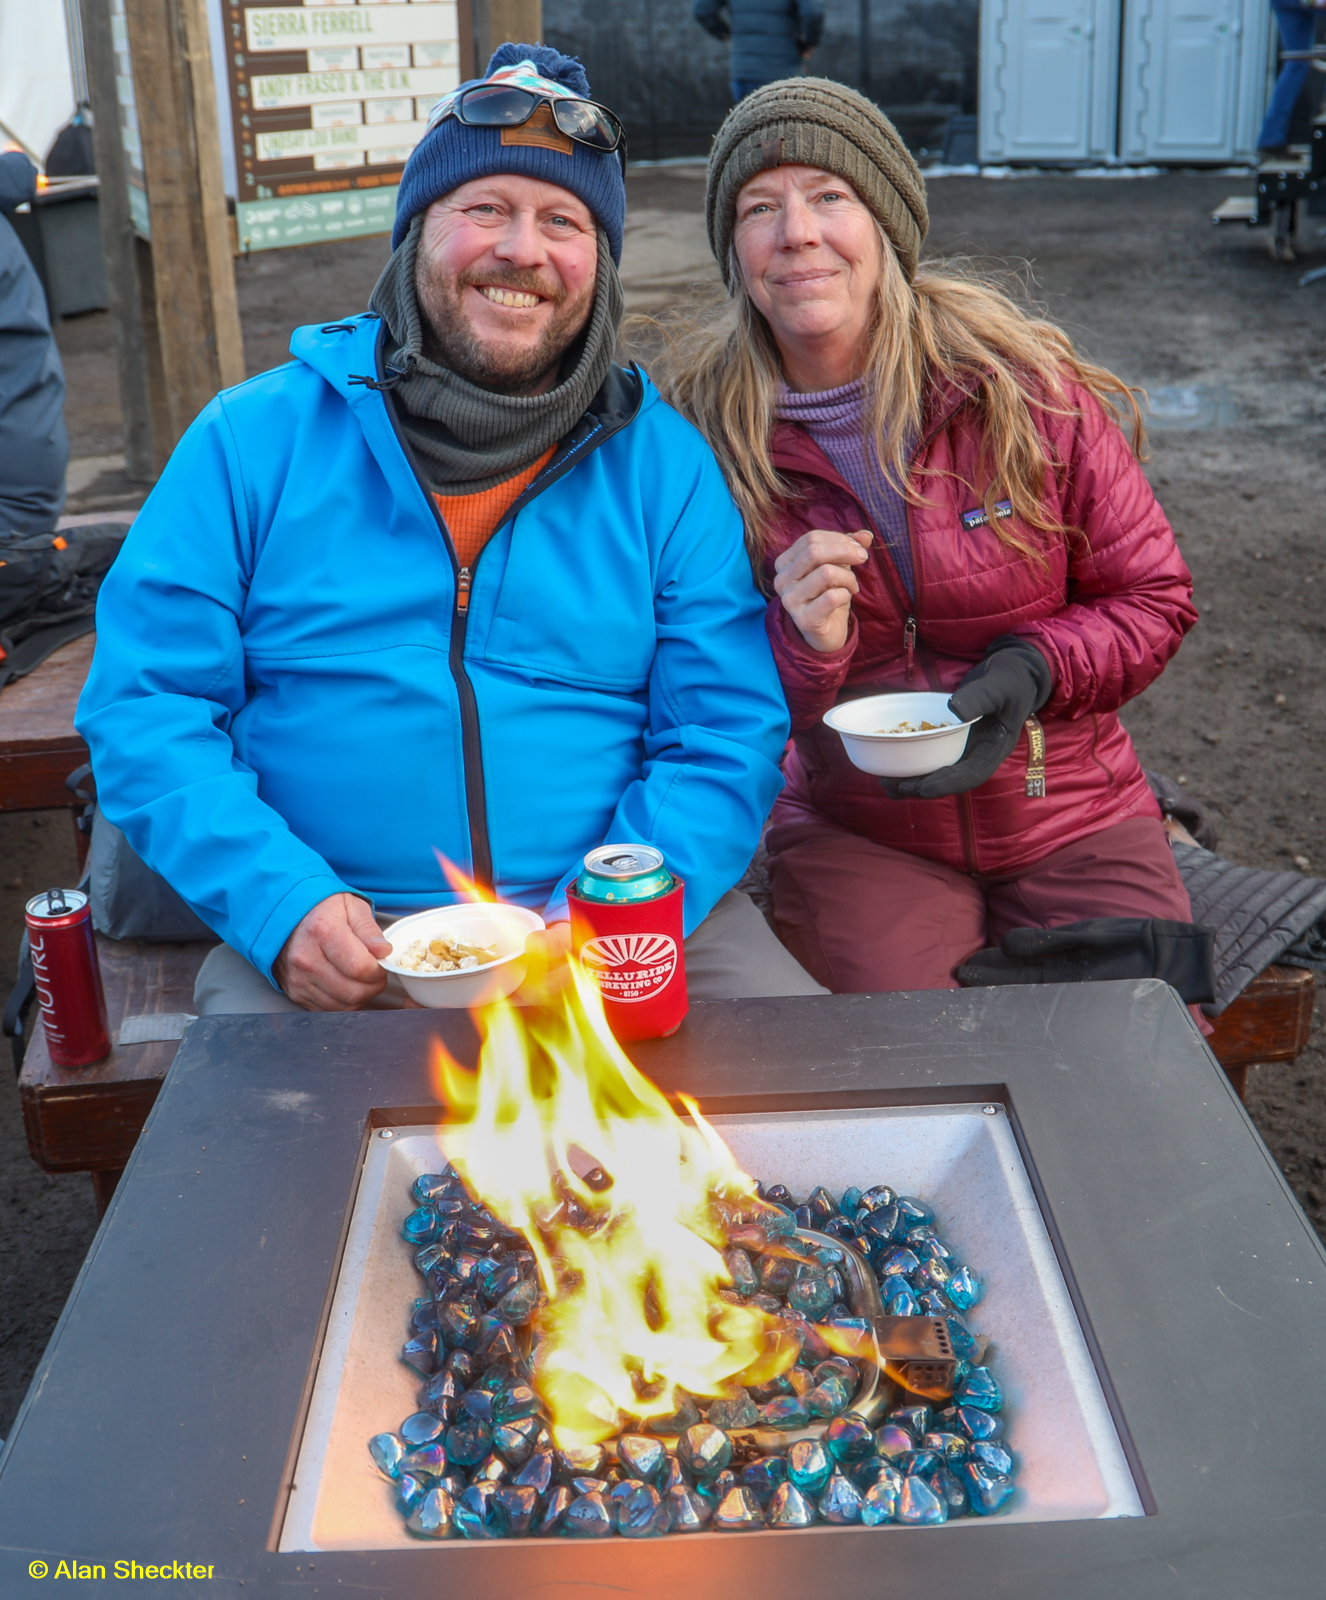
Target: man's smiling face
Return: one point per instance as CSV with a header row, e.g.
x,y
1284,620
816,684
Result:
x,y
505,279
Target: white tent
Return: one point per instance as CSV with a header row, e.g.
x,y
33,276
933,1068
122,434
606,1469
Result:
x,y
36,76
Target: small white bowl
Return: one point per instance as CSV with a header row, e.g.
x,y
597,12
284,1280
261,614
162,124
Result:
x,y
860,724
507,926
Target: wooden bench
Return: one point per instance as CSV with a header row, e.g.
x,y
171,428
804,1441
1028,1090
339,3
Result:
x,y
38,745
87,1119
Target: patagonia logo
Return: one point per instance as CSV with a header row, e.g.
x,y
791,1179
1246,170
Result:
x,y
978,518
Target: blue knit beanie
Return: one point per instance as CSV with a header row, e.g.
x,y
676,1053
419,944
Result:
x,y
451,153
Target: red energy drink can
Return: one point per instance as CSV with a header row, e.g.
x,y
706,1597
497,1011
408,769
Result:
x,y
626,931
68,974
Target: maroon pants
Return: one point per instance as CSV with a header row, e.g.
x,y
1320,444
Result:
x,y
862,918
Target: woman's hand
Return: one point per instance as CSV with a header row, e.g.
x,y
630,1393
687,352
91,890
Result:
x,y
814,580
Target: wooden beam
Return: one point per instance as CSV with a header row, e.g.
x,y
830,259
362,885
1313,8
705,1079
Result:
x,y
193,274
137,350
496,21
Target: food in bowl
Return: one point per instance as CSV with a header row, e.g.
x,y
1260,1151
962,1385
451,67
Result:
x,y
445,954
923,727
480,959
908,735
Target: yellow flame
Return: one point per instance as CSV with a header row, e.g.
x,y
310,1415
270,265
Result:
x,y
633,1309
460,884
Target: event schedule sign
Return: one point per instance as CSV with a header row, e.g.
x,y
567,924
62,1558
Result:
x,y
327,101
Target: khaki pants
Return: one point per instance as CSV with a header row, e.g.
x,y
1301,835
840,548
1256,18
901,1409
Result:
x,y
732,955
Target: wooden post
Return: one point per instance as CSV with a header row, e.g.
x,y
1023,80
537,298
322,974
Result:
x,y
132,306
193,277
496,21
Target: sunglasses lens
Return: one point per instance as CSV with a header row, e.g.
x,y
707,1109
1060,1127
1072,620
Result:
x,y
497,107
590,124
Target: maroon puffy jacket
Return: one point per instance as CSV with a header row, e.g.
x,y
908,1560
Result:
x,y
1108,610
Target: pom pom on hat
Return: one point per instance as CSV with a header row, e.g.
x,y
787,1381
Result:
x,y
549,63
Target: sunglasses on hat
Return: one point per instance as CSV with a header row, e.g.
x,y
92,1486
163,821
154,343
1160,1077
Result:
x,y
501,105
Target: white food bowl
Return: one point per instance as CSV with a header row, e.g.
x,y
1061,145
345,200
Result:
x,y
860,724
507,926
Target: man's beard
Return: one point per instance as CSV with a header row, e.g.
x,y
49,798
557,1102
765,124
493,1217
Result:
x,y
450,339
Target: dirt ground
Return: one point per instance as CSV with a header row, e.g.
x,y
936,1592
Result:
x,y
1144,283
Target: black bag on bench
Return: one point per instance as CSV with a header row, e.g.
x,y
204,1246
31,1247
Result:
x,y
48,590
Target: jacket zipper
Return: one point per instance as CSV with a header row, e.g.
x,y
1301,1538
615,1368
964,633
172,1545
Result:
x,y
476,798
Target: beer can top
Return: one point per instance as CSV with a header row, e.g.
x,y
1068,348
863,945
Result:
x,y
53,905
618,862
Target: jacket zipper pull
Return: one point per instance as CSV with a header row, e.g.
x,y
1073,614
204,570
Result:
x,y
909,645
463,590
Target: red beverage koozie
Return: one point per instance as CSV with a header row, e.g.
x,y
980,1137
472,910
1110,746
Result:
x,y
634,954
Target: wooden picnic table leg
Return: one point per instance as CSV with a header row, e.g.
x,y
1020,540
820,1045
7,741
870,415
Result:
x,y
103,1187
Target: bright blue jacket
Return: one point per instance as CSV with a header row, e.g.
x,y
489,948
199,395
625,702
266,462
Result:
x,y
294,694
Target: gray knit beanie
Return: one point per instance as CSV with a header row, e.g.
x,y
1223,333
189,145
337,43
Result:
x,y
815,122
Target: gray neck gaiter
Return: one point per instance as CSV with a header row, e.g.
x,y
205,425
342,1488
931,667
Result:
x,y
467,438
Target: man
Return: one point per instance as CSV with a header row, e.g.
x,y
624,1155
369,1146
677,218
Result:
x,y
770,38
450,585
34,447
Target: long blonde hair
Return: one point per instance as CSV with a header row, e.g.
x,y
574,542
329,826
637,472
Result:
x,y
948,325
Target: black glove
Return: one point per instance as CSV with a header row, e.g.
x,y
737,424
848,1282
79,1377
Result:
x,y
1003,691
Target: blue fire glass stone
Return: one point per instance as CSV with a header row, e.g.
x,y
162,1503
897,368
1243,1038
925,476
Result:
x,y
587,1517
779,1193
935,1275
738,1512
688,1510
837,1367
515,1401
950,1489
809,1465
952,1446
515,1506
704,1450
874,1469
979,1389
429,1256
993,1455
964,1346
916,1419
421,1353
822,1205
900,1299
933,1248
428,1461
745,1280
441,1394
841,1228
420,1227
964,1289
537,1472
851,1199
455,1320
805,1217
589,1485
789,1508
491,1338
893,1440
388,1450
883,1224
987,1489
811,1296
920,1463
841,1500
978,1424
428,1185
916,1212
476,1515
778,1219
623,1486
431,1518
775,1274
517,1305
492,1469
462,1366
579,1461
454,1482
788,1411
879,1502
935,1303
899,1261
423,1319
468,1441
552,1510
763,1475
409,1492
713,1491
879,1194
516,1441
641,1512
685,1416
643,1458
849,1439
829,1398
467,1268
919,1505
478,1403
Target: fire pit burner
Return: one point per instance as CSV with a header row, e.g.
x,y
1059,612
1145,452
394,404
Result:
x,y
478,1460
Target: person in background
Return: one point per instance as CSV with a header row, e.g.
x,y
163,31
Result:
x,y
1297,22
451,582
769,38
34,446
937,496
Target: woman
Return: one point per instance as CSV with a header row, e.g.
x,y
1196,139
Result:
x,y
937,495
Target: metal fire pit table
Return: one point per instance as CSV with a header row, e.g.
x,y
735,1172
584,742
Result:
x,y
195,1375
